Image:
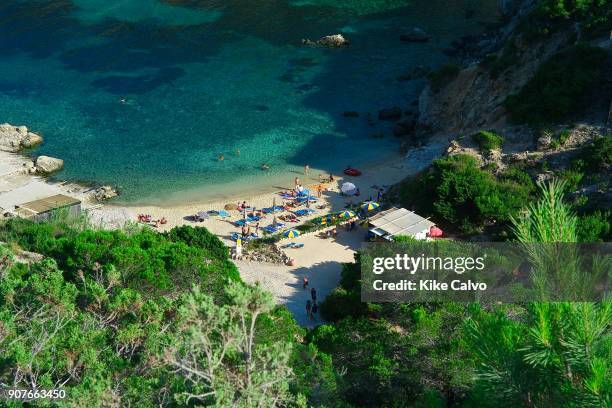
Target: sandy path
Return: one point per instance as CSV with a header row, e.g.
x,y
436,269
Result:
x,y
320,259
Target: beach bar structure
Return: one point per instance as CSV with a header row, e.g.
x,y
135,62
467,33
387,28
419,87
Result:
x,y
41,210
399,221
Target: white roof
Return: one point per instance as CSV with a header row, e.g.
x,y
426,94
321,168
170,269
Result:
x,y
399,221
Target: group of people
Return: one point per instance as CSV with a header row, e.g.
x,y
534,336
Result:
x,y
147,218
312,307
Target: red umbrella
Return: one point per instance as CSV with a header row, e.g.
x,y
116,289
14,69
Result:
x,y
435,232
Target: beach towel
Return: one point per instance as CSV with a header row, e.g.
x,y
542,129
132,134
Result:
x,y
223,214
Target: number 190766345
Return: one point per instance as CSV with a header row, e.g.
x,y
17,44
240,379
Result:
x,y
31,394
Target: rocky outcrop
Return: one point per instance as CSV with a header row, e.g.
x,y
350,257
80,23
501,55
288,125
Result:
x,y
475,99
48,165
331,41
415,35
104,193
15,138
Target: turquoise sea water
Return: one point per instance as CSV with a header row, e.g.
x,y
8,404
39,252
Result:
x,y
204,78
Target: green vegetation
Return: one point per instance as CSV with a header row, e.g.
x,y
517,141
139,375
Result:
x,y
559,87
598,155
458,192
488,140
594,15
442,76
112,317
472,355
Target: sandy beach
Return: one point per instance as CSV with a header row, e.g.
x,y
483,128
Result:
x,y
320,259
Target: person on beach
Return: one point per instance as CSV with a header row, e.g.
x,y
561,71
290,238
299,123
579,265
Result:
x,y
309,309
319,188
315,309
320,178
297,181
331,177
306,170
244,231
313,294
305,282
257,229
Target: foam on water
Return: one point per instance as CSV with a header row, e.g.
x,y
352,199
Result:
x,y
204,78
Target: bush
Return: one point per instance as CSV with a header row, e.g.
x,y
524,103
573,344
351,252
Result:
x,y
594,227
146,258
458,192
559,87
488,140
442,76
598,156
199,237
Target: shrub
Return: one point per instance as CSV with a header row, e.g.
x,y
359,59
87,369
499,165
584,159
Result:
x,y
488,140
442,76
598,156
594,227
458,192
559,87
199,237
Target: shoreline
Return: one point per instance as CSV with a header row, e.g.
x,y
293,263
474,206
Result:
x,y
320,259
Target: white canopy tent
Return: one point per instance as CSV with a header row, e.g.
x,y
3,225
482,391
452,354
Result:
x,y
399,221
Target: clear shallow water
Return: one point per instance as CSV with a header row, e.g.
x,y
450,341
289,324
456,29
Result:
x,y
204,78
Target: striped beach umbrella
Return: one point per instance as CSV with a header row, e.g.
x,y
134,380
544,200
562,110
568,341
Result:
x,y
292,233
346,214
369,206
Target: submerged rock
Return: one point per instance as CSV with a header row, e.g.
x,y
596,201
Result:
x,y
15,138
393,113
47,165
415,35
331,41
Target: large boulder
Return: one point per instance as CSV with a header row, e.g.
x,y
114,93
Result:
x,y
415,35
331,41
15,138
47,165
393,113
104,193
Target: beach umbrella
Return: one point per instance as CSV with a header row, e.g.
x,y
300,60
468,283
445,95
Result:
x,y
346,214
230,206
348,189
369,206
292,233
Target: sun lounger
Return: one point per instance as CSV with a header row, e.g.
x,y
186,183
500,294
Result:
x,y
240,223
304,211
223,214
235,236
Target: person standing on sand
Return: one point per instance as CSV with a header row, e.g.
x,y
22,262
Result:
x,y
257,229
319,188
306,170
297,181
331,178
313,294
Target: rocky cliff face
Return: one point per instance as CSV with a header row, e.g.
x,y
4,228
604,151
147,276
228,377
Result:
x,y
474,99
